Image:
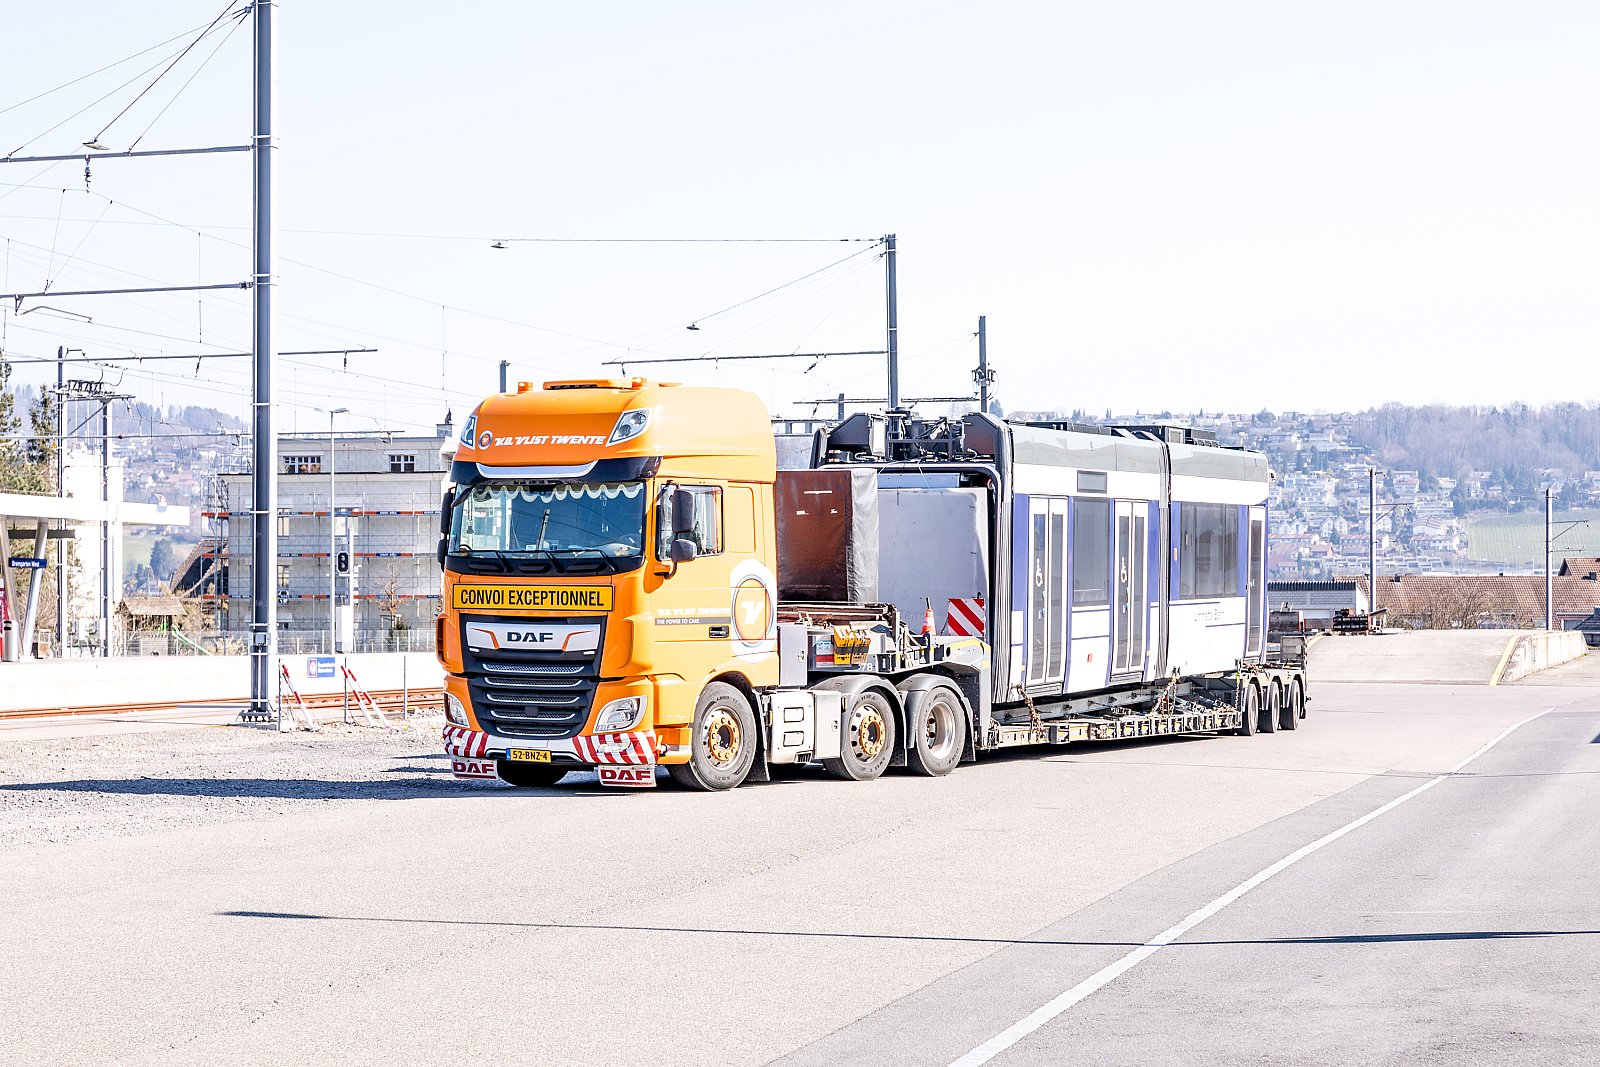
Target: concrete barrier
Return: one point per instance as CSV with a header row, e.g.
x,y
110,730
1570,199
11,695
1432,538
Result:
x,y
1441,657
1538,651
105,683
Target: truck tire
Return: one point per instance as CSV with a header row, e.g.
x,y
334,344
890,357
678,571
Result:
x,y
869,739
723,748
1250,710
1289,708
1299,689
936,720
1271,701
529,775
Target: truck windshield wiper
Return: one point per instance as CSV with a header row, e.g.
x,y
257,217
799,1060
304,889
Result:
x,y
599,553
479,553
508,561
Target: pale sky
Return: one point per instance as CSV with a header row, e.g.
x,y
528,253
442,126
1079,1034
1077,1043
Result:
x,y
1157,205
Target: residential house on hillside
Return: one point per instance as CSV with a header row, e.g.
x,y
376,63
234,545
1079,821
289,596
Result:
x,y
1457,601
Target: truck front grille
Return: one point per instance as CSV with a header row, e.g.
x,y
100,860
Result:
x,y
535,695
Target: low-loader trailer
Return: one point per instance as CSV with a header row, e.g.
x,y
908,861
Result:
x,y
631,583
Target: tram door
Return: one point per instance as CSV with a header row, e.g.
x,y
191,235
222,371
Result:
x,y
1130,609
1255,640
1047,608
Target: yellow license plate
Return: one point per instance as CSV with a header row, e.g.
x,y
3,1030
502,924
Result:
x,y
529,755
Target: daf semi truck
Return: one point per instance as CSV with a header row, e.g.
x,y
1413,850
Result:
x,y
630,583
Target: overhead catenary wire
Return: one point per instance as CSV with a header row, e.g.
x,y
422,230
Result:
x,y
102,70
175,61
238,21
10,157
487,316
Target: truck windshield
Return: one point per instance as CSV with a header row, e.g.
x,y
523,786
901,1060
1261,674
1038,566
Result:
x,y
596,518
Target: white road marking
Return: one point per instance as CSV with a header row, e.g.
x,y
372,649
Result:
x,y
1023,1027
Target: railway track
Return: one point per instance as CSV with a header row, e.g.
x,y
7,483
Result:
x,y
390,700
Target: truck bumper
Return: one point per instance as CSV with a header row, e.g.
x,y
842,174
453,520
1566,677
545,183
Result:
x,y
474,752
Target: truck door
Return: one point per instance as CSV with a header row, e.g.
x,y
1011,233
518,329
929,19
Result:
x,y
1130,602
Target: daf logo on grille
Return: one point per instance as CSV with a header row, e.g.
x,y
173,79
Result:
x,y
490,637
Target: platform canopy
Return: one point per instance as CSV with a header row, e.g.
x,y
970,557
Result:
x,y
81,509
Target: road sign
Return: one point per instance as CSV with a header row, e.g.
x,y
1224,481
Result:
x,y
27,563
321,667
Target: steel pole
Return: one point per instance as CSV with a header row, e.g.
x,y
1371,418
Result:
x,y
1549,598
983,364
893,318
333,548
105,530
264,503
61,491
1372,540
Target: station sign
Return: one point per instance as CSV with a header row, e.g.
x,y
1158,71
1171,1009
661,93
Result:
x,y
321,666
28,563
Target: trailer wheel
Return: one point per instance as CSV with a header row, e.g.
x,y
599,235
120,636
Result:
x,y
1294,706
1250,710
869,739
936,719
723,748
1288,712
1272,701
529,775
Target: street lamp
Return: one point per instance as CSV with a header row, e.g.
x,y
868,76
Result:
x,y
333,547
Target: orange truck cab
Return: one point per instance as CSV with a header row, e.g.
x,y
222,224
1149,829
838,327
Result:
x,y
609,555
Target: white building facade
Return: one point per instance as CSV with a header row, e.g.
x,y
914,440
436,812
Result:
x,y
383,511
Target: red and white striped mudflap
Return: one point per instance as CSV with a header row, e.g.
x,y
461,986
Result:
x,y
460,741
964,617
634,748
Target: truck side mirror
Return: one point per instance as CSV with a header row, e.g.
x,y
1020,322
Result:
x,y
444,545
683,550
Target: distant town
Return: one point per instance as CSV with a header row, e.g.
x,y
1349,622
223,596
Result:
x,y
1469,501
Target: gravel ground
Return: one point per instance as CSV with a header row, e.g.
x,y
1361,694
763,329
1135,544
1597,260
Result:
x,y
74,789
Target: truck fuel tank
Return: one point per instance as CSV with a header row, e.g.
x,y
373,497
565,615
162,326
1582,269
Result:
x,y
805,725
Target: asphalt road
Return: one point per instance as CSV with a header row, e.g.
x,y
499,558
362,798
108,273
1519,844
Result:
x,y
899,921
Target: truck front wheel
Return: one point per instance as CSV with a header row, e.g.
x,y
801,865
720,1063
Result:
x,y
724,745
869,739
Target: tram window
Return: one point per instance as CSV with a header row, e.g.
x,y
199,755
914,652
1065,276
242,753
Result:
x,y
1091,552
1208,558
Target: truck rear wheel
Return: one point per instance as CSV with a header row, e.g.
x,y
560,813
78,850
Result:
x,y
723,748
1272,700
936,720
869,739
1289,708
529,775
1249,709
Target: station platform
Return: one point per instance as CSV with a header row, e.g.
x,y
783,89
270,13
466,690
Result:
x,y
34,688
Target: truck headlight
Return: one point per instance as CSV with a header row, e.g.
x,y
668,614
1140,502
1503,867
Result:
x,y
454,711
619,715
630,424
